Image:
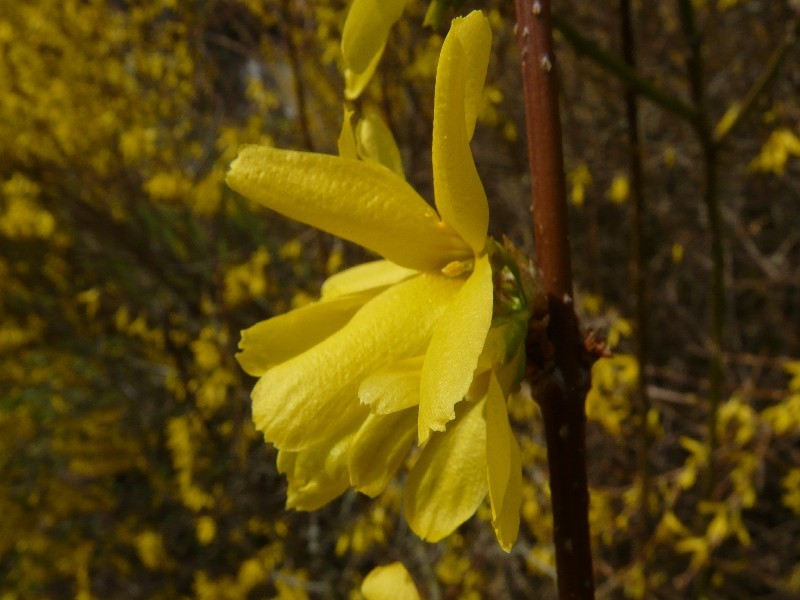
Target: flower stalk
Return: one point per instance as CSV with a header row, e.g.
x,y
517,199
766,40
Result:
x,y
562,394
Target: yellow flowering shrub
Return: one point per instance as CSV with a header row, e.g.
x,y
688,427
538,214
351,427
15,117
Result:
x,y
130,465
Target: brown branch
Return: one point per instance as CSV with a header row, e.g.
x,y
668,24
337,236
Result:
x,y
562,395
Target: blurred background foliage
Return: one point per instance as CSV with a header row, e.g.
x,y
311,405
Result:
x,y
128,464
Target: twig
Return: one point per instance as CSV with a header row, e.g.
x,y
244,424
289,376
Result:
x,y
638,272
297,74
740,110
717,305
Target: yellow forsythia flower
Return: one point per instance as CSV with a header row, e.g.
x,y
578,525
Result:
x,y
400,348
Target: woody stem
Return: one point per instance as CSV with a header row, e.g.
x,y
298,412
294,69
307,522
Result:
x,y
562,397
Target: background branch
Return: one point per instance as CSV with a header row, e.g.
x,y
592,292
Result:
x,y
638,268
584,46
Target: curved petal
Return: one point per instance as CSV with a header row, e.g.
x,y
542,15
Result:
x,y
453,353
460,197
475,35
316,475
356,81
448,483
506,525
376,142
394,387
389,582
378,450
366,30
376,274
504,468
312,396
280,338
358,201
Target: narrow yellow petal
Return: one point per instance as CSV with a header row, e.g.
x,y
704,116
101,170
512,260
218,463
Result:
x,y
475,35
366,30
280,338
389,582
376,142
448,482
504,468
379,448
358,201
317,474
506,525
460,197
498,434
394,387
376,274
312,396
453,353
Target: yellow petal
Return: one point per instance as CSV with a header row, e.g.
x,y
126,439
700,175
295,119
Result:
x,y
506,526
498,433
356,81
394,387
347,140
366,30
459,193
376,274
316,475
504,468
448,482
453,353
379,448
475,35
280,338
358,201
310,397
376,142
389,582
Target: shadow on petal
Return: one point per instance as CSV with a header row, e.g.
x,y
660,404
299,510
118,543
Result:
x,y
448,482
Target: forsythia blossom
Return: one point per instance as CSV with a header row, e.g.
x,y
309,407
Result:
x,y
425,345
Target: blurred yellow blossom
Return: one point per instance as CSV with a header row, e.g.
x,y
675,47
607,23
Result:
x,y
677,253
579,178
23,217
150,547
206,530
247,280
620,189
775,153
